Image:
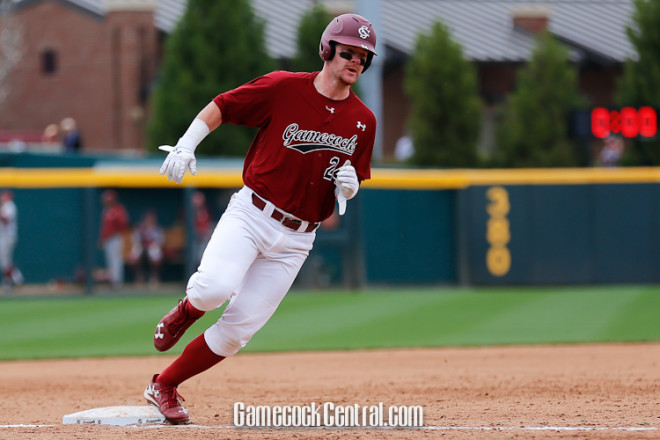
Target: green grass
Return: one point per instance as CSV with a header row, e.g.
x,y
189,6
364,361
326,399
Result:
x,y
97,326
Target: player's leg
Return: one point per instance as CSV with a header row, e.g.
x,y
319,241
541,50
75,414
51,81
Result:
x,y
114,248
5,262
155,260
228,256
162,390
266,284
135,262
259,286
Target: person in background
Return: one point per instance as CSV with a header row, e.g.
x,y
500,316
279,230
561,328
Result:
x,y
148,238
114,223
203,225
611,152
11,276
71,139
51,134
404,148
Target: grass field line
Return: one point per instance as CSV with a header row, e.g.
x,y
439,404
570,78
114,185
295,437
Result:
x,y
419,428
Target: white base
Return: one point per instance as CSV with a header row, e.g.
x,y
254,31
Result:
x,y
117,416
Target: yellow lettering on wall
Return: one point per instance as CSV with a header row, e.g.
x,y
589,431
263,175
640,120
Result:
x,y
498,231
498,260
499,206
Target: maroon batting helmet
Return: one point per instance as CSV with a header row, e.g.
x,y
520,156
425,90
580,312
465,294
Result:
x,y
109,195
349,29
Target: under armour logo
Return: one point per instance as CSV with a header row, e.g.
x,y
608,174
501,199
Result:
x,y
364,32
158,334
330,109
151,389
361,126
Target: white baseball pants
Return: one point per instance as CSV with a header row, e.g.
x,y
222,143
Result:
x,y
114,259
7,245
252,261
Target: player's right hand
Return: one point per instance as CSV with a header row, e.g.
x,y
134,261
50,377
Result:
x,y
177,161
347,180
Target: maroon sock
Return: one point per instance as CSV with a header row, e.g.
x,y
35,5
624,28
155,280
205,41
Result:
x,y
196,358
191,310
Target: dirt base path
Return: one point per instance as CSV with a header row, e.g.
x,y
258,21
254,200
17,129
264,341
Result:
x,y
600,392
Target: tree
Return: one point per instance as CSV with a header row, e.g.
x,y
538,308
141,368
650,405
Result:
x,y
445,117
312,25
217,46
638,85
534,131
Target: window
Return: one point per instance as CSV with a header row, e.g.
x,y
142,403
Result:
x,y
48,62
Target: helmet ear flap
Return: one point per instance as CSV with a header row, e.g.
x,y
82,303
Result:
x,y
333,49
327,50
368,62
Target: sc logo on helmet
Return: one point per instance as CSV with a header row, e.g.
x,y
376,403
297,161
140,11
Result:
x,y
364,32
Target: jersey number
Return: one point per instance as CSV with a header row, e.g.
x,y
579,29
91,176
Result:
x,y
331,172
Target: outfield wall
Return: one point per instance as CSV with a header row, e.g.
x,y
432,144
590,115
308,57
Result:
x,y
470,227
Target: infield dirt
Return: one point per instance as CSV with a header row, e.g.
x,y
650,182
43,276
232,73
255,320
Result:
x,y
614,388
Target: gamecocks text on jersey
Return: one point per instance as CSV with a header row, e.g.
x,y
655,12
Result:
x,y
305,141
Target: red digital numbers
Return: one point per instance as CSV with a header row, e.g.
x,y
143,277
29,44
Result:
x,y
648,122
628,121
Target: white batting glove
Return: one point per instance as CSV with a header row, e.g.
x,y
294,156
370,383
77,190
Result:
x,y
176,162
347,185
341,201
347,181
182,155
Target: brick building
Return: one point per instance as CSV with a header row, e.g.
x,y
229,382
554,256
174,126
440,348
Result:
x,y
94,60
78,62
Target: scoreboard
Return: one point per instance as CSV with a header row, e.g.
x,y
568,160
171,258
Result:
x,y
628,122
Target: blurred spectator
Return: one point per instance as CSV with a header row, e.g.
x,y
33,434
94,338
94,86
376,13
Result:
x,y
17,146
51,134
203,225
11,276
404,148
114,223
71,139
611,152
148,238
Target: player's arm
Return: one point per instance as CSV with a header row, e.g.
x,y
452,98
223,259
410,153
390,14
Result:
x,y
347,185
211,116
182,155
347,181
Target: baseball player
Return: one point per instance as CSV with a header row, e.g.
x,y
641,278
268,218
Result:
x,y
147,246
313,147
8,238
114,223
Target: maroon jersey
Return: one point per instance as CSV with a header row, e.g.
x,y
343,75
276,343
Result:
x,y
303,138
114,220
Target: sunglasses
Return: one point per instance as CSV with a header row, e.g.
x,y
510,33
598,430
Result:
x,y
349,57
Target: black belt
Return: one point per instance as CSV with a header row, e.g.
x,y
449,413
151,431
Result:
x,y
285,220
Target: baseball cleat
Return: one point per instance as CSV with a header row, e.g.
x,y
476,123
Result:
x,y
166,399
173,325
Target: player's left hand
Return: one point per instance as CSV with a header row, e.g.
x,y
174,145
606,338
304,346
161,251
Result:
x,y
347,181
177,161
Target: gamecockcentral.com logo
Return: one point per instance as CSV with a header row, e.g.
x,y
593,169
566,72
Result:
x,y
327,414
